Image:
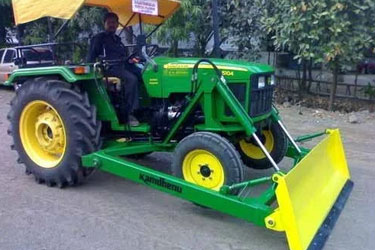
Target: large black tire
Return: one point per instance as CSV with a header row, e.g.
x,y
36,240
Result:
x,y
74,120
276,143
217,153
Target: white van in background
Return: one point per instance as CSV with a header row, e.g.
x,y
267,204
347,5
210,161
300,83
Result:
x,y
32,57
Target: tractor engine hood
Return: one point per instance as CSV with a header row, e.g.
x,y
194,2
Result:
x,y
230,68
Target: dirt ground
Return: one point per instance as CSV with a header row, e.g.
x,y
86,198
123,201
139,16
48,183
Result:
x,y
107,212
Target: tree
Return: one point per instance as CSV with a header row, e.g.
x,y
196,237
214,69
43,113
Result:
x,y
333,32
6,19
83,26
187,20
243,25
193,23
87,22
369,91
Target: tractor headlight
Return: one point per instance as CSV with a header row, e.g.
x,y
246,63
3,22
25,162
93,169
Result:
x,y
261,82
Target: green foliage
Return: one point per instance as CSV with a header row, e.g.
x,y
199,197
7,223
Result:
x,y
87,22
192,21
5,2
333,32
6,19
369,91
243,25
83,26
327,31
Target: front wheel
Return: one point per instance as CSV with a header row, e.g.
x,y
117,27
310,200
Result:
x,y
208,160
53,125
274,140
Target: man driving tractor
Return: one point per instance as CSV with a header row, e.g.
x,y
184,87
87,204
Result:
x,y
108,45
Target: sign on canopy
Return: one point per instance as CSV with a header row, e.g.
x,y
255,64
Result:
x,y
146,7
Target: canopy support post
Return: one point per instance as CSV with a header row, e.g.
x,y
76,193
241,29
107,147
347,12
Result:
x,y
61,29
140,24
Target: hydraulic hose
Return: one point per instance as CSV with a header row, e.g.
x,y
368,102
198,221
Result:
x,y
194,76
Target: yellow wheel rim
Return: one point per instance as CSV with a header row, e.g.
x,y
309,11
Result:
x,y
253,151
42,134
204,169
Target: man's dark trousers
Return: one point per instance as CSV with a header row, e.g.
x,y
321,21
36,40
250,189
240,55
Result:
x,y
129,90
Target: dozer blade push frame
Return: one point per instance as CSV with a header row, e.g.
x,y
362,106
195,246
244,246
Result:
x,y
308,199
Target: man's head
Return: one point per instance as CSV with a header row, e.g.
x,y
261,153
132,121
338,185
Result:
x,y
111,22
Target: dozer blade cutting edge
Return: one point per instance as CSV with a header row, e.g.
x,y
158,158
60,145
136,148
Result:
x,y
311,196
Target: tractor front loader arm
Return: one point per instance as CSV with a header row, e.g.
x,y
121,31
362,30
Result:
x,y
309,196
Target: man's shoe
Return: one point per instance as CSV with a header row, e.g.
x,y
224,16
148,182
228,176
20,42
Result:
x,y
133,122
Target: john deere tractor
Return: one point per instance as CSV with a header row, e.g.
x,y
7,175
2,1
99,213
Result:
x,y
216,116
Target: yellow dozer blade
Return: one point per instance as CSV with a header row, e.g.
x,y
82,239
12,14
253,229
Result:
x,y
312,194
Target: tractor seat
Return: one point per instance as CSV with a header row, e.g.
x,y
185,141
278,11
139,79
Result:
x,y
113,84
112,80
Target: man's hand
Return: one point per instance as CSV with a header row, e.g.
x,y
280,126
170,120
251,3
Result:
x,y
134,60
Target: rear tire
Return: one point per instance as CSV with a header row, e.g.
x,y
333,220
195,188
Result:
x,y
16,86
53,125
208,160
275,142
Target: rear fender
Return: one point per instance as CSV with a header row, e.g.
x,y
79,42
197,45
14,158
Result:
x,y
96,91
62,72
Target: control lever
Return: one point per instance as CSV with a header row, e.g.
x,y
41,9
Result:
x,y
155,67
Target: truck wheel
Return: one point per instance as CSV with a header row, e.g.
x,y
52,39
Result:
x,y
53,125
275,142
207,160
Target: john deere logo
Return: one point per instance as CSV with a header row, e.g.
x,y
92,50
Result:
x,y
160,182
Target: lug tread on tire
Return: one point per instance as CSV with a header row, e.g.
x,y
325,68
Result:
x,y
79,116
278,152
233,166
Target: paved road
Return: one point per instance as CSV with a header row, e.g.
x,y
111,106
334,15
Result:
x,y
111,213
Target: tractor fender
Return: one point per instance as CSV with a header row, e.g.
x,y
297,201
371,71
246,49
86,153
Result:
x,y
61,72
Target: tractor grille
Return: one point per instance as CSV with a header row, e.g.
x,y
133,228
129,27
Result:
x,y
261,101
239,91
260,98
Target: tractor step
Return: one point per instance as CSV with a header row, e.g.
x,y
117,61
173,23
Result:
x,y
141,128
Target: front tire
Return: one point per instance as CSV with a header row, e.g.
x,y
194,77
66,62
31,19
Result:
x,y
276,143
208,160
53,125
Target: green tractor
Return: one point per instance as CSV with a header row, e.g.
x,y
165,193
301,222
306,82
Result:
x,y
217,116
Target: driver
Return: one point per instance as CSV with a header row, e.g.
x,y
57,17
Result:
x,y
109,46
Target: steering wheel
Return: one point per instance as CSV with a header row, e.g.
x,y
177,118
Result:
x,y
135,58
